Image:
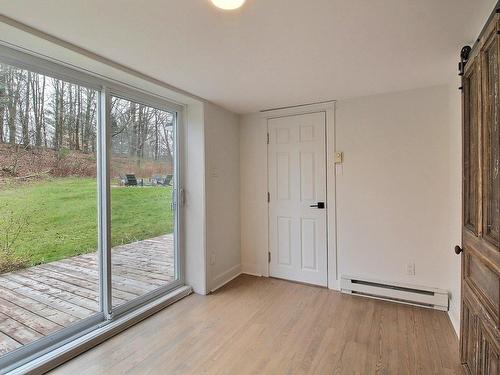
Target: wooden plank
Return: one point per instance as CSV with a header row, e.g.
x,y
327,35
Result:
x,y
150,277
36,322
159,253
78,287
65,269
7,344
62,275
47,299
118,283
151,270
158,268
151,251
51,290
18,331
19,301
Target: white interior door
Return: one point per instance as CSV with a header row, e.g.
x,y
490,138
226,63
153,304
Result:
x,y
297,182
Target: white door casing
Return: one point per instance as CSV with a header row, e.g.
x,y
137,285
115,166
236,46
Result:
x,y
297,180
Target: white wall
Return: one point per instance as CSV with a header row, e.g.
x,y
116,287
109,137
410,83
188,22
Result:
x,y
194,210
222,164
455,202
253,175
398,198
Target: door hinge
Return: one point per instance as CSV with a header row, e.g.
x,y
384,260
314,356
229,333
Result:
x,y
267,138
268,197
269,257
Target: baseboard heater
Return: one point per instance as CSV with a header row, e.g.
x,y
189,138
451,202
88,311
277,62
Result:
x,y
432,298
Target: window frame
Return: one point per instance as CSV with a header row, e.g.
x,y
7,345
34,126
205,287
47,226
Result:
x,y
106,88
150,101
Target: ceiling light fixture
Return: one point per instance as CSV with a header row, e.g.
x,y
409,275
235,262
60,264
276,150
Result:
x,y
228,4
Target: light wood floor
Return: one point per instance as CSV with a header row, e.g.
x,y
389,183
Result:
x,y
268,326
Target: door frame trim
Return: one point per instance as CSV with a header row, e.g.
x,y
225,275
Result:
x,y
331,216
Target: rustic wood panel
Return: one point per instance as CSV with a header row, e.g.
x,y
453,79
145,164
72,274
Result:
x,y
480,334
489,351
485,282
469,337
471,115
490,73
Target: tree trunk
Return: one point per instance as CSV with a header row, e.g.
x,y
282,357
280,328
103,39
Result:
x,y
13,100
26,114
56,115
71,117
2,101
38,99
133,133
77,120
60,119
157,138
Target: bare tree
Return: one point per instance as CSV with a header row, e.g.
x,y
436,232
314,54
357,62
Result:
x,y
3,101
38,101
13,88
25,112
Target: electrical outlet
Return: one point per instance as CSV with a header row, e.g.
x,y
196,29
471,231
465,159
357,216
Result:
x,y
410,269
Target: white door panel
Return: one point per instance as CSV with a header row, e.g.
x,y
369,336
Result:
x,y
297,180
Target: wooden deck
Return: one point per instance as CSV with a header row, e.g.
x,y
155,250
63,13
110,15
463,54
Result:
x,y
40,300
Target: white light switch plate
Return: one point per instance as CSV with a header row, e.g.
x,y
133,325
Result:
x,y
339,157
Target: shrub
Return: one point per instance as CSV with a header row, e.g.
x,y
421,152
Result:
x,y
12,225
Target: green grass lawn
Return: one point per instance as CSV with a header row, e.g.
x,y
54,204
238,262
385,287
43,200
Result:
x,y
57,218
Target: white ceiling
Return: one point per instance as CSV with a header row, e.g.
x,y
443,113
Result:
x,y
270,53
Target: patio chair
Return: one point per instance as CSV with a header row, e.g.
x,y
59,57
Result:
x,y
164,181
156,179
168,179
131,180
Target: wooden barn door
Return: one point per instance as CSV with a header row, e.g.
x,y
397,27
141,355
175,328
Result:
x,y
479,338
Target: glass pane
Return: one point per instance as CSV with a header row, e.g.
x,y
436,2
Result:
x,y
48,206
142,215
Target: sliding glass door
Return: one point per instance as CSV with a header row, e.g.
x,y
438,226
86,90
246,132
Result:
x,y
143,215
49,273
88,203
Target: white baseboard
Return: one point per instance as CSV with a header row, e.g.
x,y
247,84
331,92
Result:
x,y
454,315
251,269
334,285
225,277
251,274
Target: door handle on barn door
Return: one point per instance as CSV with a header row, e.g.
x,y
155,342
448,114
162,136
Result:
x,y
458,250
320,205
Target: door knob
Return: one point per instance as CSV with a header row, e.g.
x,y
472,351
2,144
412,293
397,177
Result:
x,y
319,205
458,250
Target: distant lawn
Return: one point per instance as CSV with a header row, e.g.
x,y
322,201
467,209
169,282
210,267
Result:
x,y
57,219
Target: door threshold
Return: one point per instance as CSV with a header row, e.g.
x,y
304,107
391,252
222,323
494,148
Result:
x,y
299,282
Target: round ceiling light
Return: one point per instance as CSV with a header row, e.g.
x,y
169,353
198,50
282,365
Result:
x,y
228,4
